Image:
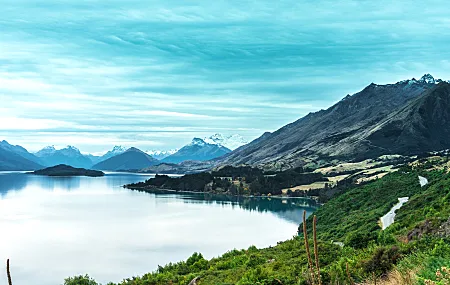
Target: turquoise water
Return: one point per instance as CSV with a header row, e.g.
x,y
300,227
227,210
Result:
x,y
52,228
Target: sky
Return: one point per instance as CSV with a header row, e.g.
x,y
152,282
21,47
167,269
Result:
x,y
155,74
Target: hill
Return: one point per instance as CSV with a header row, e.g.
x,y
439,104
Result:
x,y
132,159
407,118
66,170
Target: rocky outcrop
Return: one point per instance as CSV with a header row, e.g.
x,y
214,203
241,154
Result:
x,y
429,227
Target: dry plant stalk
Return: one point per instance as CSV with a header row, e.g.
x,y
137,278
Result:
x,y
8,273
305,236
348,275
316,249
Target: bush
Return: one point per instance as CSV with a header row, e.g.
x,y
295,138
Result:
x,y
382,260
358,240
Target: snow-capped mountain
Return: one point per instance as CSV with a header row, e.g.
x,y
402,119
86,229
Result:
x,y
48,150
116,150
69,155
161,154
197,150
231,142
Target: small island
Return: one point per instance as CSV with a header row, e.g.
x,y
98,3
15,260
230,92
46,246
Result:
x,y
66,170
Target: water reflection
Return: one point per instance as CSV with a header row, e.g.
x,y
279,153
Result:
x,y
290,209
90,225
12,182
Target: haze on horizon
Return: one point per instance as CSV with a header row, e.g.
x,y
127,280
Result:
x,y
155,74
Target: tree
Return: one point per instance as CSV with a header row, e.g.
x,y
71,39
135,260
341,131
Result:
x,y
80,280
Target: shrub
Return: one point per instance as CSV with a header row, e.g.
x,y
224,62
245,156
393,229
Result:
x,y
382,260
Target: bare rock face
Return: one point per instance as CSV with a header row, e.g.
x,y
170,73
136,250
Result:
x,y
421,230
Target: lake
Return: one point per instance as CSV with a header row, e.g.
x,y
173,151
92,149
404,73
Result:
x,y
52,228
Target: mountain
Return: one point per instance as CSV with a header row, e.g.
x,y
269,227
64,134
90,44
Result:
x,y
99,158
93,158
132,159
14,157
118,149
69,155
20,151
197,150
231,142
408,117
161,154
421,126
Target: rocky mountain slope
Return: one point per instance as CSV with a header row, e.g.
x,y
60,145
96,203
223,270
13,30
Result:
x,y
14,157
407,117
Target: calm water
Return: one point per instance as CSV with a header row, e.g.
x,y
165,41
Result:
x,y
52,228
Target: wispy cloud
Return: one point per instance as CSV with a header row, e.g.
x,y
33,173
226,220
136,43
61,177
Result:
x,y
116,72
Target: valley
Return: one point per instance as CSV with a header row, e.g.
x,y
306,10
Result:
x,y
373,162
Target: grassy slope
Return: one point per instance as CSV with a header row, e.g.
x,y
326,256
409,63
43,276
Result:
x,y
351,217
359,209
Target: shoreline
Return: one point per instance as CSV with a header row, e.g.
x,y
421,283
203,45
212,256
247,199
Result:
x,y
152,190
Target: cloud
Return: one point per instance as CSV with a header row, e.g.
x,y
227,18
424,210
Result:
x,y
120,71
14,123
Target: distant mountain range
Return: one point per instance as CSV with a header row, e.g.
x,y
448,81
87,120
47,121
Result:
x,y
408,117
18,158
197,150
161,154
69,155
131,159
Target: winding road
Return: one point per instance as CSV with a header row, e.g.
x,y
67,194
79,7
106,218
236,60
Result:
x,y
389,218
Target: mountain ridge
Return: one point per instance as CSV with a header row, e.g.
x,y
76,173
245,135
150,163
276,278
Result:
x,y
334,132
16,158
